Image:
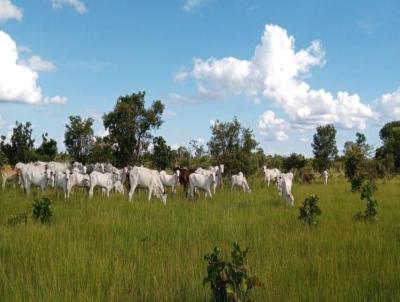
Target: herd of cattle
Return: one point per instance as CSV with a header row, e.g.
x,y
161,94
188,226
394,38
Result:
x,y
64,177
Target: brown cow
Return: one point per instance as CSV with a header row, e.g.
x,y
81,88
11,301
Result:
x,y
8,173
184,174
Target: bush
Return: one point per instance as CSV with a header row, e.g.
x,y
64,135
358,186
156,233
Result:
x,y
367,193
309,210
229,281
41,210
13,220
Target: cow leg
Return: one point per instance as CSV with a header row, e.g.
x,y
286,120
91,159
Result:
x,y
131,191
232,186
4,182
150,192
91,192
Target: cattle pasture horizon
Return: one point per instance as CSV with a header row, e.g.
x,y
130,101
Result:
x,y
108,249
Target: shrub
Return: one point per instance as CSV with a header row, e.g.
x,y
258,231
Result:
x,y
13,220
309,210
367,193
41,210
230,281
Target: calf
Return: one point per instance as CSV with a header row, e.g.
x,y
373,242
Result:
x,y
170,180
104,180
61,181
285,187
8,174
240,181
270,174
325,177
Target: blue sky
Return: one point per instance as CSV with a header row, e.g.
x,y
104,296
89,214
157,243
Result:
x,y
199,57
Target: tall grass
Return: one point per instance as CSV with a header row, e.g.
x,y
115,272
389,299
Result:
x,y
112,250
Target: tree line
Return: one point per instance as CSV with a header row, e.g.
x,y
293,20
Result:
x,y
129,141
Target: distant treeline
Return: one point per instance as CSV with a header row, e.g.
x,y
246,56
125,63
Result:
x,y
129,141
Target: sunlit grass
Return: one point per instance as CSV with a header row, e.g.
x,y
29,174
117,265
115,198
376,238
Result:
x,y
113,250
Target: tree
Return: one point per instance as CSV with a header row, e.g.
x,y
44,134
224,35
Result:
x,y
129,126
101,151
233,145
324,147
78,138
356,163
21,145
162,153
294,161
47,151
390,151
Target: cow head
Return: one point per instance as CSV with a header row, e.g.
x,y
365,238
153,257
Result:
x,y
212,177
289,199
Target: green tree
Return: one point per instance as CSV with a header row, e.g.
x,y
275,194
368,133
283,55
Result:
x,y
130,125
21,145
294,161
324,147
101,151
162,153
233,145
78,138
390,151
47,151
357,165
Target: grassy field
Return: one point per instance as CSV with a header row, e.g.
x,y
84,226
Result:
x,y
113,250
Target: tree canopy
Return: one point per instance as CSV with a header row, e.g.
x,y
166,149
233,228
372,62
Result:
x,y
129,126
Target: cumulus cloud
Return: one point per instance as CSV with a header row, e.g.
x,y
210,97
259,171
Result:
x,y
388,105
78,5
277,72
38,64
9,11
18,82
273,128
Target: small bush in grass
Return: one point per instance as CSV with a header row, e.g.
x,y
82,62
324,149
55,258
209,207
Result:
x,y
367,193
13,220
41,210
229,281
309,210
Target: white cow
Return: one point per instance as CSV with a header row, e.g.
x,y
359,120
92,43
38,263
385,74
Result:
x,y
61,182
148,179
285,182
32,175
201,181
270,174
78,179
55,168
104,180
325,177
170,180
217,170
240,181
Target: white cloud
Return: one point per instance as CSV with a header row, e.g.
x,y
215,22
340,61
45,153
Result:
x,y
59,100
9,11
388,105
38,64
276,72
273,128
190,5
180,76
170,113
78,5
18,83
